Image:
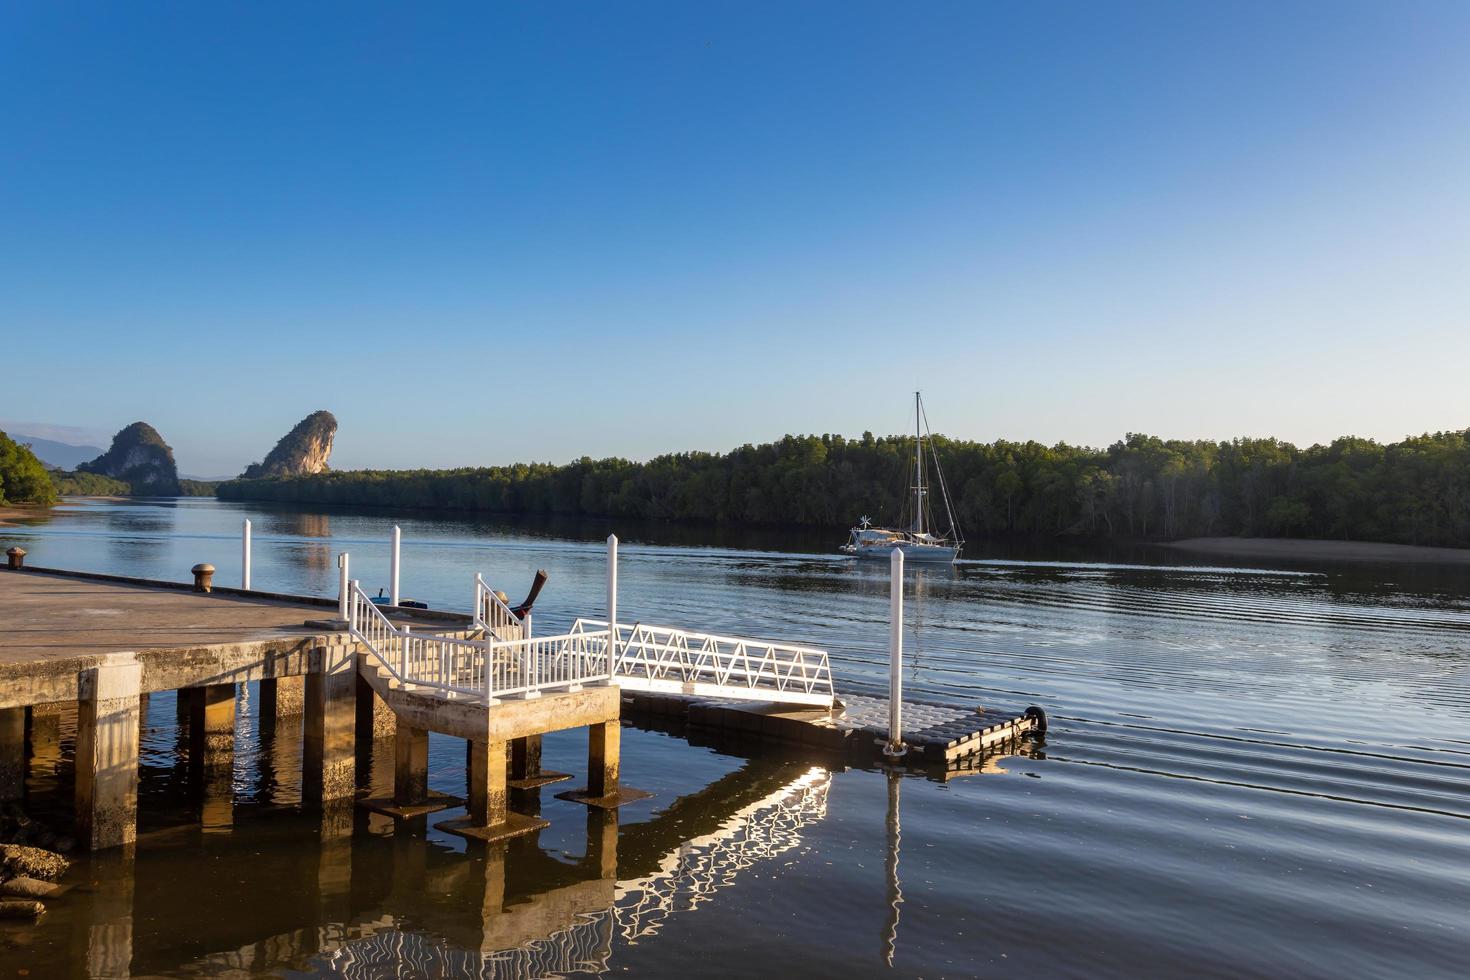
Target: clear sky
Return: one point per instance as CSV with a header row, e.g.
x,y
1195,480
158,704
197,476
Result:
x,y
496,232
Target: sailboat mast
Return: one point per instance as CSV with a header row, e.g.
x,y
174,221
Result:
x,y
918,470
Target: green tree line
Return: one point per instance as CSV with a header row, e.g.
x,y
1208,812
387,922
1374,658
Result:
x,y
23,479
1416,491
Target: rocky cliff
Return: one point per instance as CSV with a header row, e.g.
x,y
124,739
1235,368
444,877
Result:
x,y
301,452
139,457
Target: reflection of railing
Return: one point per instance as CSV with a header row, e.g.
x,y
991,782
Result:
x,y
492,614
661,658
692,874
487,669
688,876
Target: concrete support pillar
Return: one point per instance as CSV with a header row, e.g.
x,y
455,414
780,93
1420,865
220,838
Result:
x,y
12,753
281,697
604,749
525,757
410,766
375,719
329,766
107,753
212,726
487,803
212,754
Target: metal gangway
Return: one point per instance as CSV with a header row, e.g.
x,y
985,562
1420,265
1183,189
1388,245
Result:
x,y
504,660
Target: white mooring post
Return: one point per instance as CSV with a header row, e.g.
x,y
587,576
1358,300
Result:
x,y
245,555
393,566
895,744
343,585
612,602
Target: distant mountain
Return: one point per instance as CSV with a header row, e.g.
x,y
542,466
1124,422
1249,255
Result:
x,y
139,457
57,455
301,452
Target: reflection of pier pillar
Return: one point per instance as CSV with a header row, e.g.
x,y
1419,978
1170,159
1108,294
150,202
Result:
x,y
604,747
410,765
334,862
107,753
109,917
492,900
12,753
602,841
281,698
331,713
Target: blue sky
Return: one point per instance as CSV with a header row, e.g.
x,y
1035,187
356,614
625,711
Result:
x,y
487,233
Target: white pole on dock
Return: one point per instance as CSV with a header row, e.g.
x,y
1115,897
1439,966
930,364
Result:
x,y
343,585
393,566
612,601
245,555
895,746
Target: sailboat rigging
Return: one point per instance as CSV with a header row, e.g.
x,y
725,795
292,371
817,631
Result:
x,y
918,541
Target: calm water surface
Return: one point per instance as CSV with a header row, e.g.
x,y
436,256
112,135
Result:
x,y
1249,772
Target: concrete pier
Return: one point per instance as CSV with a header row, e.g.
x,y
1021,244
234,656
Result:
x,y
103,643
410,765
212,727
205,646
107,752
281,699
328,769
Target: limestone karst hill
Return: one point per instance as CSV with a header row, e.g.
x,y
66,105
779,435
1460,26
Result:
x,y
303,451
139,457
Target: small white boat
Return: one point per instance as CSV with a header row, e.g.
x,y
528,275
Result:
x,y
916,543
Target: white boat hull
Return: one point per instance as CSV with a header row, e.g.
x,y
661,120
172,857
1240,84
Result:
x,y
911,551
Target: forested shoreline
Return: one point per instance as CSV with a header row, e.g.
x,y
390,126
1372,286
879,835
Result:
x,y
1416,491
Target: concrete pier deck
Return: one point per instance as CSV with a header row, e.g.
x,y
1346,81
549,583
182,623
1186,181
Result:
x,y
58,624
106,642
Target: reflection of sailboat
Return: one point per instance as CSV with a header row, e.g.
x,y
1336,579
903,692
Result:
x,y
918,542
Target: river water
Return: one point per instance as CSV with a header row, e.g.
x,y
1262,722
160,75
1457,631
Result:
x,y
1249,772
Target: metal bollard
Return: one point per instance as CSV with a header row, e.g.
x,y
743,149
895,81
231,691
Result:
x,y
203,577
17,558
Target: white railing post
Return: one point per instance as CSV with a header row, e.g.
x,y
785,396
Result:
x,y
405,633
245,555
393,566
344,585
895,744
612,604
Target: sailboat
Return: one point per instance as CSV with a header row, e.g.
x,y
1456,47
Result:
x,y
918,542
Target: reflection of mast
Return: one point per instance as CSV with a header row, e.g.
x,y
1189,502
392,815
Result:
x,y
895,889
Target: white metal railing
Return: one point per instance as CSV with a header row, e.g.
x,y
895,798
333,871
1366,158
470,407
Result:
x,y
492,614
662,658
487,668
